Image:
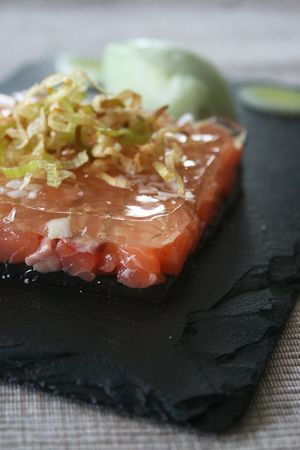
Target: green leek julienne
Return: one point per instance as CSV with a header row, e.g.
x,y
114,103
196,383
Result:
x,y
54,129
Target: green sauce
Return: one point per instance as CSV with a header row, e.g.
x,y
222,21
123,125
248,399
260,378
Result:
x,y
271,99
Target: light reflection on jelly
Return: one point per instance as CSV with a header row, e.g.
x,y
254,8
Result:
x,y
10,217
204,137
141,211
179,137
189,163
146,199
210,160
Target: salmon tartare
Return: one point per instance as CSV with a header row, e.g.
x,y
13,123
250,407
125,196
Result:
x,y
92,183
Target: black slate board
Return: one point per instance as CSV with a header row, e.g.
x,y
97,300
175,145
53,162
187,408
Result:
x,y
196,357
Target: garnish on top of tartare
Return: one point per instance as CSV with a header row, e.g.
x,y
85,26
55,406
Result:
x,y
57,126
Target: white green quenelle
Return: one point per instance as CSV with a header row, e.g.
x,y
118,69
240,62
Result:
x,y
164,74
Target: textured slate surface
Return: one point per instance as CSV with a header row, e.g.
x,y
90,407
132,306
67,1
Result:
x,y
196,357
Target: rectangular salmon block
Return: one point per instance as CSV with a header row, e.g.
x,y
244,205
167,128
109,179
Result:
x,y
141,216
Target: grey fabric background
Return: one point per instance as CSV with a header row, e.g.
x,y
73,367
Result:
x,y
257,39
